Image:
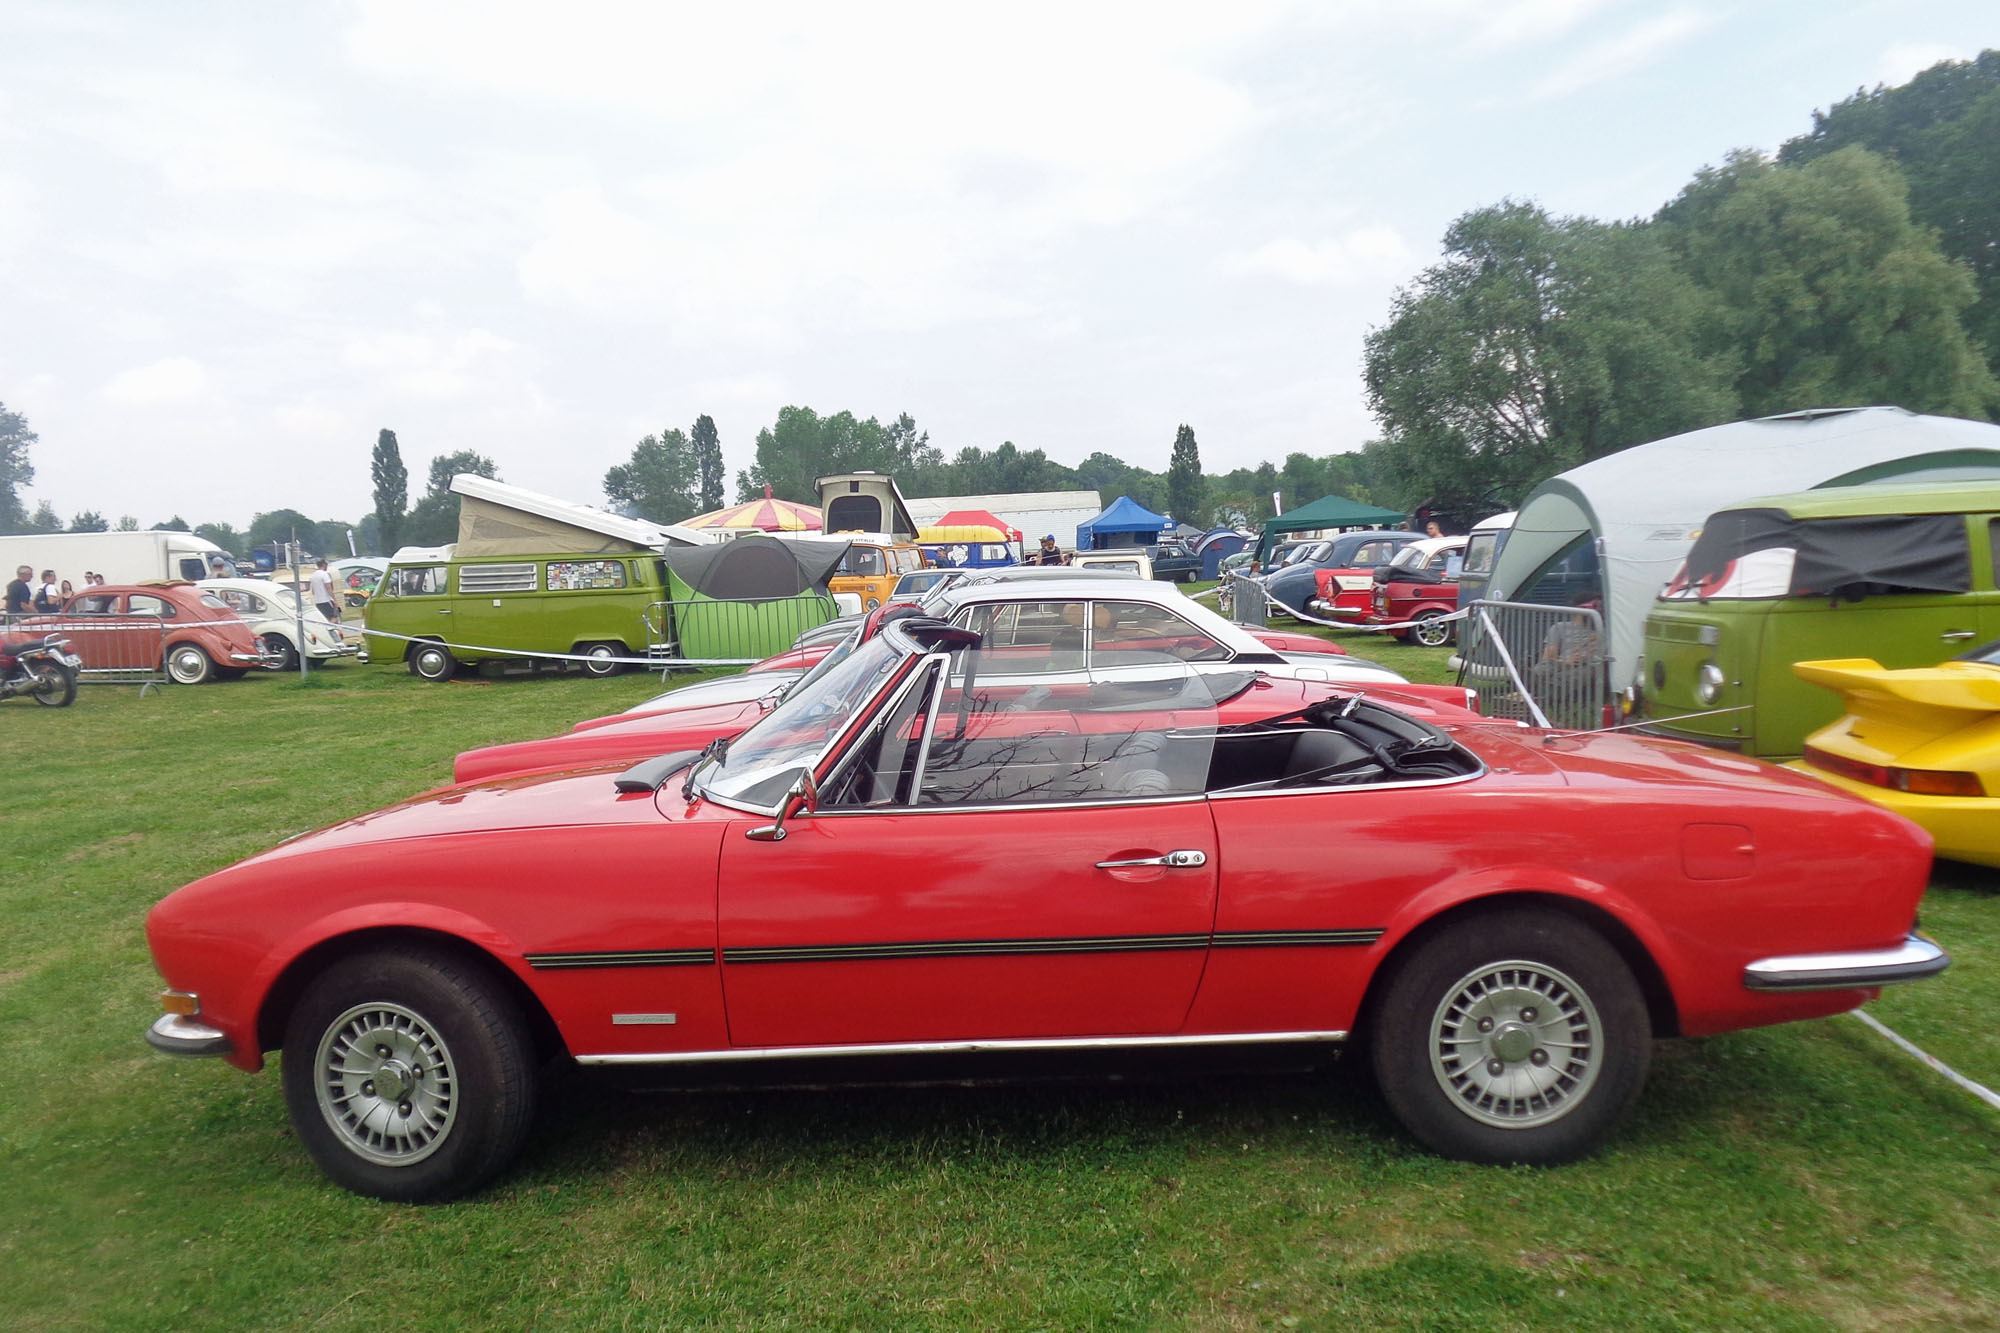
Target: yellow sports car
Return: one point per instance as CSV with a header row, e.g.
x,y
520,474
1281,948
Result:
x,y
1925,742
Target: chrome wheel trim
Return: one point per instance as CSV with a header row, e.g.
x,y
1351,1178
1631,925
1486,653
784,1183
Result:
x,y
1516,1044
386,1084
432,662
596,659
187,664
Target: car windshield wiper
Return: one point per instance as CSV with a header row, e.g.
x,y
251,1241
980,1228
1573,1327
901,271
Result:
x,y
715,749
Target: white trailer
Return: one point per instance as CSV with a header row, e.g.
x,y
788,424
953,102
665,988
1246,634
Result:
x,y
121,557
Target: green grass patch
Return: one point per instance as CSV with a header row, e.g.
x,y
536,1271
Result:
x,y
1803,1177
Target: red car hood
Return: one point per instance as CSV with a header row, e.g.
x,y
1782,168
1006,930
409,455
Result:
x,y
642,735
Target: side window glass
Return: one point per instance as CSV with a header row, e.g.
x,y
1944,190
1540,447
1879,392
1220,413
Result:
x,y
417,580
483,579
569,575
1026,638
884,767
142,604
1139,633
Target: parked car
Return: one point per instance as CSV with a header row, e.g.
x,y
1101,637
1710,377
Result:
x,y
1923,741
1903,574
1122,559
973,867
172,625
274,615
1174,561
1056,632
1351,555
1419,588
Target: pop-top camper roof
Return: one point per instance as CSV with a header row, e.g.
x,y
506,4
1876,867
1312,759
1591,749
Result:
x,y
864,502
497,519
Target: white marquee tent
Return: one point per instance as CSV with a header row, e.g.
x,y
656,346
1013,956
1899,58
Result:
x,y
1645,504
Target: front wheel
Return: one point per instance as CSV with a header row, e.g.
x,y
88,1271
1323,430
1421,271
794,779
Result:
x,y
187,664
432,661
55,686
408,1074
1512,1037
1432,630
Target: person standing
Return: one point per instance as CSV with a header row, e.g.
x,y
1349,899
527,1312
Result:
x,y
321,586
19,597
48,597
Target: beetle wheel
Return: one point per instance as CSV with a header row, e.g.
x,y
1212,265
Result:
x,y
408,1075
278,644
187,664
1512,1037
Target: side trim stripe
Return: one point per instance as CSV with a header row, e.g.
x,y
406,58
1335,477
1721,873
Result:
x,y
731,1055
557,962
1273,939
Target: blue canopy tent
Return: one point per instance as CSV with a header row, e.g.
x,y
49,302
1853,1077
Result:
x,y
1124,522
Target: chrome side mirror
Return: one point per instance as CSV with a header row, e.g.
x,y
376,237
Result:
x,y
803,798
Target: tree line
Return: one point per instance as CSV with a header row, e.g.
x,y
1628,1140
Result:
x,y
1860,264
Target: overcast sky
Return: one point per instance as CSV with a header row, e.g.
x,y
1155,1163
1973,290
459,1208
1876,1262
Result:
x,y
238,239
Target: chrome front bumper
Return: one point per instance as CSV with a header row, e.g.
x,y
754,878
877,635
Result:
x,y
177,1035
1912,960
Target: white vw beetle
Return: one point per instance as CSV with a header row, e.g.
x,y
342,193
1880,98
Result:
x,y
271,610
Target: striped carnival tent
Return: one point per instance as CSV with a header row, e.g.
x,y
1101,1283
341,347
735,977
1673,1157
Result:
x,y
765,515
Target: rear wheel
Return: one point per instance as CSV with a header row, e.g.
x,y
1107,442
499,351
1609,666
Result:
x,y
409,1075
56,687
600,659
1514,1036
432,661
1432,630
281,647
187,664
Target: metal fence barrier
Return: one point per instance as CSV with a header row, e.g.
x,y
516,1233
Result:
x,y
1242,600
719,631
116,650
1544,665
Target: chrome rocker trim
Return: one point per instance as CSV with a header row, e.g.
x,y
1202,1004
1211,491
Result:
x,y
957,1047
178,1035
1912,960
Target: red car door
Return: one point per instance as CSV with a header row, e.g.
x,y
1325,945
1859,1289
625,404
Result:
x,y
938,924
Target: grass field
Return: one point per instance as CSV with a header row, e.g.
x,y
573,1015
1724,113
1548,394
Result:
x,y
1800,1177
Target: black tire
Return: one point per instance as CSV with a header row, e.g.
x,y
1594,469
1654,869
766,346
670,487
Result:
x,y
288,656
187,664
1432,630
57,688
1560,1060
432,661
454,1048
593,651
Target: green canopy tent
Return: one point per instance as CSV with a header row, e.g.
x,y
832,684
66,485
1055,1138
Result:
x,y
1329,511
746,599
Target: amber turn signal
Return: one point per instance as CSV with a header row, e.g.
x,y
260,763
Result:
x,y
185,1003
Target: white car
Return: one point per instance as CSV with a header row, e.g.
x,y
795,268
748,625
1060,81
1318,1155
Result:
x,y
272,612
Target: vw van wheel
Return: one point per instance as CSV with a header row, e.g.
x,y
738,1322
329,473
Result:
x,y
187,664
280,647
1432,630
432,661
56,687
600,659
1512,1037
408,1075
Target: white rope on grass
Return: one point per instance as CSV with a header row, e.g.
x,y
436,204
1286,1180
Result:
x,y
1983,1093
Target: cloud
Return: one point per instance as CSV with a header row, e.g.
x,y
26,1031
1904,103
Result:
x,y
173,382
1616,57
423,365
1363,254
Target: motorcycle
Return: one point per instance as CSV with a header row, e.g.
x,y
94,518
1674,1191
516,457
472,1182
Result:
x,y
44,668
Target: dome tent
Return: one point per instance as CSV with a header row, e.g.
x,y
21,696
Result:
x,y
750,597
1641,507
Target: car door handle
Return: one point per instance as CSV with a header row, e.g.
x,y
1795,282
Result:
x,y
1175,860
1959,634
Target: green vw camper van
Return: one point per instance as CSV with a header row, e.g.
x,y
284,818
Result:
x,y
1900,573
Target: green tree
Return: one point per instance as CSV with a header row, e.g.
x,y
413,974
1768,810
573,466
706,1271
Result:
x,y
283,525
1830,293
433,520
1184,479
15,469
44,519
1536,344
174,524
1942,128
225,536
661,482
127,523
392,488
708,464
802,446
89,520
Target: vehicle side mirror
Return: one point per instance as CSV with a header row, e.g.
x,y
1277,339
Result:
x,y
803,798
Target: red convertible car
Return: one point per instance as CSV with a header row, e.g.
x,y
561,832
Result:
x,y
915,856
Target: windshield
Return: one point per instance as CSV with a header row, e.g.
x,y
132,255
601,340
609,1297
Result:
x,y
760,765
1410,557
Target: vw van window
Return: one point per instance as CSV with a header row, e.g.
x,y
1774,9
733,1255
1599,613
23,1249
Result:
x,y
854,513
497,578
570,575
417,580
1480,549
862,561
1766,554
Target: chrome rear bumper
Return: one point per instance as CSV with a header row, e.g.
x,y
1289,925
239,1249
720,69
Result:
x,y
1912,960
177,1035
